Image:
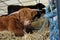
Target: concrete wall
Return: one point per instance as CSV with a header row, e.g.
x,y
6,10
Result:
x,y
5,3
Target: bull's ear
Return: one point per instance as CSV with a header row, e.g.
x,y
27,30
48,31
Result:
x,y
33,13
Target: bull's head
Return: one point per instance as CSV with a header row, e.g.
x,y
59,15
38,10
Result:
x,y
26,15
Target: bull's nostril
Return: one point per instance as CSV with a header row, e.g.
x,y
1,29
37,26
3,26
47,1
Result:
x,y
27,22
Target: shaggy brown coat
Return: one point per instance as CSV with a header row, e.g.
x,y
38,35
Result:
x,y
15,21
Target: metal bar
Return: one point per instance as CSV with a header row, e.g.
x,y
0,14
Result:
x,y
58,14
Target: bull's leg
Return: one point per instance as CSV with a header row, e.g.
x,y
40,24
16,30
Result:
x,y
19,32
2,27
29,29
12,27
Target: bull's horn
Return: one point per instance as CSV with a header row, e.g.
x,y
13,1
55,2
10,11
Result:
x,y
36,10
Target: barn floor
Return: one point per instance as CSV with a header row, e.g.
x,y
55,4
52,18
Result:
x,y
37,35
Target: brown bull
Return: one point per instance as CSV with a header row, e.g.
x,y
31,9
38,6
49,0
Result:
x,y
17,21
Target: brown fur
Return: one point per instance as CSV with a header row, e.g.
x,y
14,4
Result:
x,y
14,22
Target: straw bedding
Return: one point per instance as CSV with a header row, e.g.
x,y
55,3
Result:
x,y
37,35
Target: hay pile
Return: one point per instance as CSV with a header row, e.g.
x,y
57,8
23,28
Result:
x,y
5,35
37,35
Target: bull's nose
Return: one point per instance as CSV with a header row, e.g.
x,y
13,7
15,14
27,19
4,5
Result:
x,y
26,23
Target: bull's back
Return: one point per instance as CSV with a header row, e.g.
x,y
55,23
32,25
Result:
x,y
3,22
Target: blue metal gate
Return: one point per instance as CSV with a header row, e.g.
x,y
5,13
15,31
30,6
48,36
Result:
x,y
51,14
